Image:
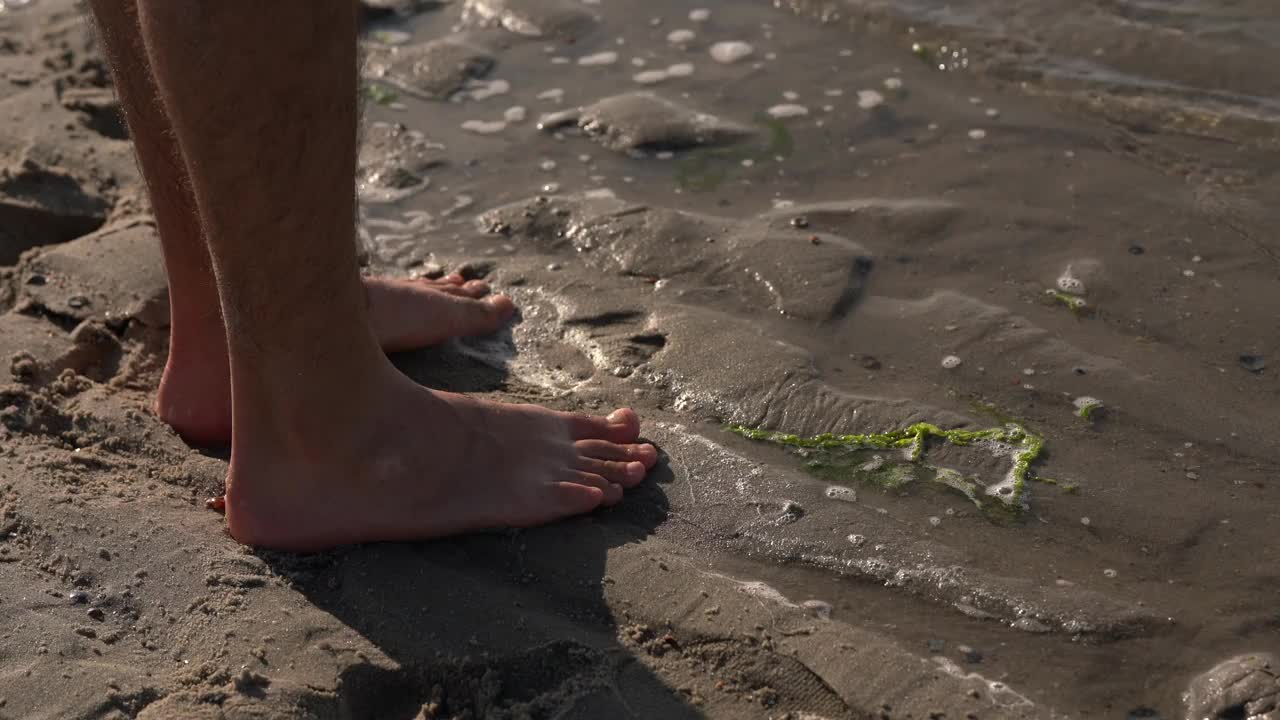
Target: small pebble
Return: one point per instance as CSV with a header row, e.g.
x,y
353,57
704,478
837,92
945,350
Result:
x,y
79,597
1085,521
857,540
893,83
935,521
951,362
977,134
547,165
104,553
700,15
1109,573
970,654
96,614
515,114
993,113
680,70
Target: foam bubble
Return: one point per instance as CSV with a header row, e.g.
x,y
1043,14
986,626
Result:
x,y
552,95
485,89
515,114
893,83
680,70
682,36
840,492
788,110
650,77
484,127
730,51
608,57
699,15
977,134
868,99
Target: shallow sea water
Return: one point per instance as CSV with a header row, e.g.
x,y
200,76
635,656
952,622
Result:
x,y
888,213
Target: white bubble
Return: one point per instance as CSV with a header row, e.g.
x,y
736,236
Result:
x,y
650,77
790,95
1069,283
868,99
700,15
485,89
1086,521
993,113
893,83
788,110
547,165
515,114
553,95
977,134
681,36
951,362
680,70
730,51
608,57
840,492
484,127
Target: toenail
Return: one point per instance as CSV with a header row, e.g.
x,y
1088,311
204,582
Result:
x,y
635,470
617,417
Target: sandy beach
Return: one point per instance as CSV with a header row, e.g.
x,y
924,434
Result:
x,y
957,329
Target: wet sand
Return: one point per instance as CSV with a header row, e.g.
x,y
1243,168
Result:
x,y
759,226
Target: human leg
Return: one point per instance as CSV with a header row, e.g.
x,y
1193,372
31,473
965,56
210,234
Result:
x,y
330,444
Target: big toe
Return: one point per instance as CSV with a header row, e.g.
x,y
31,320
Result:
x,y
620,426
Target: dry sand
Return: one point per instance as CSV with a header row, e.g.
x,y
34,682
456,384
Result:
x,y
681,252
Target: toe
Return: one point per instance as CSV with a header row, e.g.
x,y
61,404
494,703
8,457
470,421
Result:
x,y
470,289
612,491
621,426
626,474
468,316
643,453
573,498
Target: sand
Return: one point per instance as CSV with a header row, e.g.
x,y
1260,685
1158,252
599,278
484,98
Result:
x,y
856,269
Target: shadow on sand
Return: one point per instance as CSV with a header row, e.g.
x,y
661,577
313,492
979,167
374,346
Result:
x,y
509,624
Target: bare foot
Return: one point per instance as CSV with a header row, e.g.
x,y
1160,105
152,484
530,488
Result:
x,y
195,390
409,463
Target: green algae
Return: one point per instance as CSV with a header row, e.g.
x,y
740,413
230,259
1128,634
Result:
x,y
841,458
1087,407
1074,303
707,169
380,93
